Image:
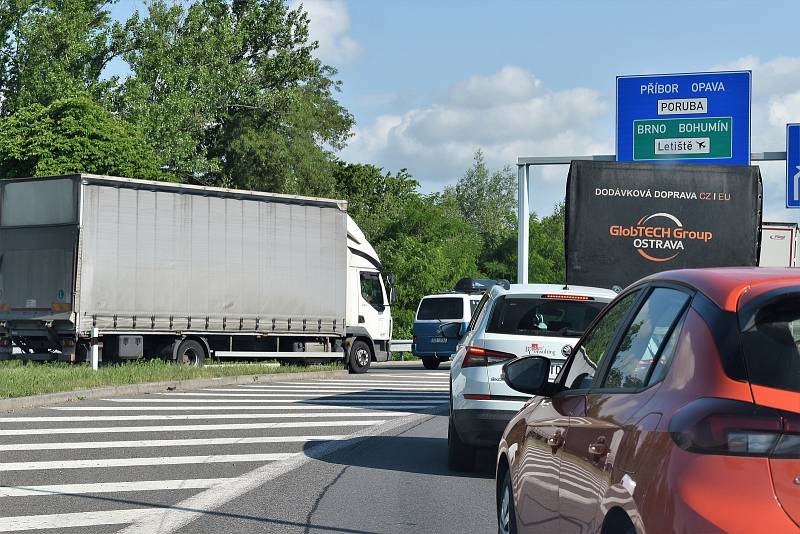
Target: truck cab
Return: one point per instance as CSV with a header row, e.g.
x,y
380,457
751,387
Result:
x,y
370,295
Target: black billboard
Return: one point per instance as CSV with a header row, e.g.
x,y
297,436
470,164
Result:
x,y
628,220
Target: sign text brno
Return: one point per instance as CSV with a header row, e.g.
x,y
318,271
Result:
x,y
793,165
701,117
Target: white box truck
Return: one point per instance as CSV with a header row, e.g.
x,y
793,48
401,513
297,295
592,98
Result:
x,y
778,244
181,272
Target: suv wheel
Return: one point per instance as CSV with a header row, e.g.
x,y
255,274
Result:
x,y
460,456
431,363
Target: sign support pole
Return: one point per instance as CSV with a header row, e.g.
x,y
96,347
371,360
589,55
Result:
x,y
523,210
523,221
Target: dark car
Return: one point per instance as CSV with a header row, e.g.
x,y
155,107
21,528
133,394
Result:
x,y
677,411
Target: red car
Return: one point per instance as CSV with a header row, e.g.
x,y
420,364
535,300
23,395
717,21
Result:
x,y
677,411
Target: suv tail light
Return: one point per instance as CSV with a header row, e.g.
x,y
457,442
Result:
x,y
736,428
5,342
480,357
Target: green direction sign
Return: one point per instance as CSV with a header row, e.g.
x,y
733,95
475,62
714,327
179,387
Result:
x,y
706,137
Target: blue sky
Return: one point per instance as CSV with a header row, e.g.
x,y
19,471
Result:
x,y
430,82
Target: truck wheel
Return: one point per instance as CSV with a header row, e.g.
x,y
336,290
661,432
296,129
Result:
x,y
360,357
191,352
431,363
460,456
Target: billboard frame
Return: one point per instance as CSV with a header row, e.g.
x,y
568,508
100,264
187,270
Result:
x,y
524,165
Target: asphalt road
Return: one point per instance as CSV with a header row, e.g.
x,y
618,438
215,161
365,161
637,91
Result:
x,y
366,453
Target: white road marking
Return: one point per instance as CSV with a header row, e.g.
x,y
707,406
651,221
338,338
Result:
x,y
163,443
365,383
110,487
181,514
312,401
316,406
186,417
183,428
76,519
318,394
302,387
305,390
132,462
414,376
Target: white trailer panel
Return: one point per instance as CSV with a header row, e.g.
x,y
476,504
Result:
x,y
778,245
175,257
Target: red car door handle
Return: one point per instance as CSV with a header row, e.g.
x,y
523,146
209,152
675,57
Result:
x,y
598,449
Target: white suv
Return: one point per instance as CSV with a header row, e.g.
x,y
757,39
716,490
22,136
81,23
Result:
x,y
524,320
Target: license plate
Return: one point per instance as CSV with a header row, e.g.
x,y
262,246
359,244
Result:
x,y
554,370
438,340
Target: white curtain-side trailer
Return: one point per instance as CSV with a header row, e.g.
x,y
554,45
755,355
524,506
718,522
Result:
x,y
162,270
778,245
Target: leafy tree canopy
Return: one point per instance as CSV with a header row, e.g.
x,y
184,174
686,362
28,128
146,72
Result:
x,y
50,49
229,93
487,201
72,135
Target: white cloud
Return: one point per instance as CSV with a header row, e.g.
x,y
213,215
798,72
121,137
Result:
x,y
330,24
511,113
776,98
776,101
507,114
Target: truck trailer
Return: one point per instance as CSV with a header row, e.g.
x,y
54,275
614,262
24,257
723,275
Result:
x,y
778,244
142,269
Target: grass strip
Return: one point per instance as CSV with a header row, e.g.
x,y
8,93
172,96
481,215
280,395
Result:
x,y
22,379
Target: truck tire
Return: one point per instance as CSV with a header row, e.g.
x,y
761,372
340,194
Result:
x,y
360,357
190,352
460,456
431,363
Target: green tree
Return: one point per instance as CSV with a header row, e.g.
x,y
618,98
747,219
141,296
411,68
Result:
x,y
374,199
487,201
72,135
423,239
50,49
429,247
230,94
546,260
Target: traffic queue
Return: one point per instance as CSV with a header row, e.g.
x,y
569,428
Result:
x,y
670,405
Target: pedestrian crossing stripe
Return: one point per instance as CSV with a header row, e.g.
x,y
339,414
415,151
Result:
x,y
184,428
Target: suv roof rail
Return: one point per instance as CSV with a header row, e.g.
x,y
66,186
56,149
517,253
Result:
x,y
479,285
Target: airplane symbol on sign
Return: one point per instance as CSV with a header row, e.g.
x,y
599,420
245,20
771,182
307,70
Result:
x,y
701,144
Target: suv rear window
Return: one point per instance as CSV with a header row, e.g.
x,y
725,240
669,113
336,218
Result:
x,y
441,308
770,346
534,316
